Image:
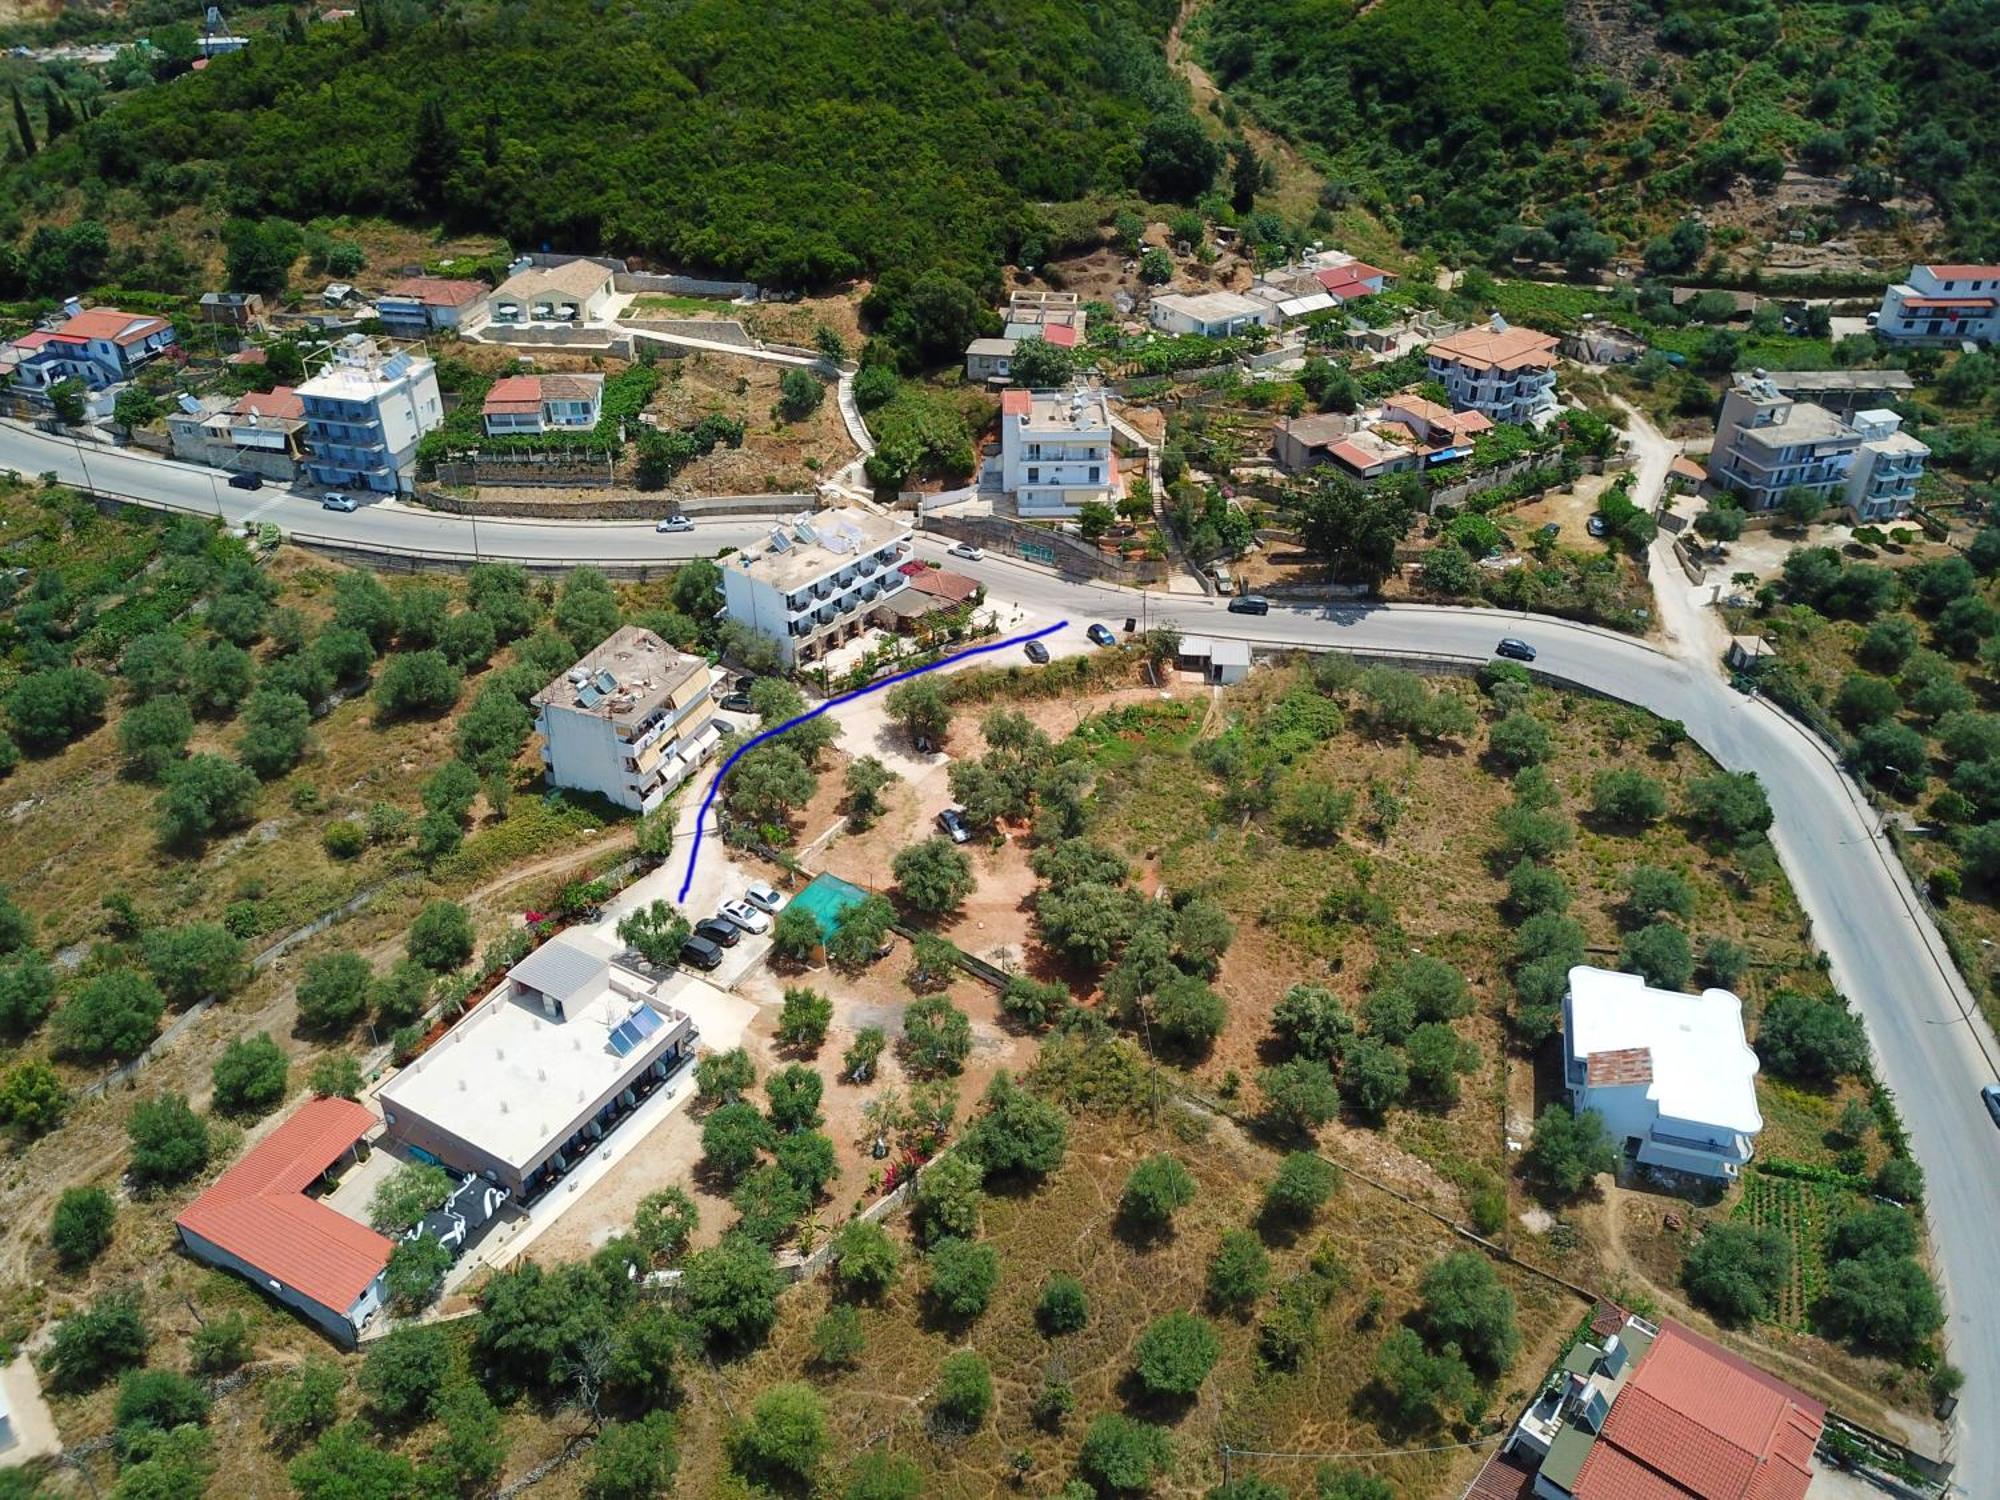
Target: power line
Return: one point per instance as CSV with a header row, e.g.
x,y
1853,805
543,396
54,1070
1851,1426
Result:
x,y
1232,1452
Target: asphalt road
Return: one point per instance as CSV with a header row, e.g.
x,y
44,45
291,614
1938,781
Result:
x,y
1933,1048
379,523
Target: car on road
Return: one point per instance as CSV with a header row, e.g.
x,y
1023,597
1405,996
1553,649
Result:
x,y
1100,635
744,915
1249,604
1037,653
952,821
1597,526
967,551
337,501
246,481
1514,650
675,523
700,953
762,896
1990,1097
719,930
737,703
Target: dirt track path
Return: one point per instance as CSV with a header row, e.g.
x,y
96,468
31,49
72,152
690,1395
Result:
x,y
1299,182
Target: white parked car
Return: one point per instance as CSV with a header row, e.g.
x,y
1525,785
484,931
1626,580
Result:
x,y
676,523
746,916
762,896
969,552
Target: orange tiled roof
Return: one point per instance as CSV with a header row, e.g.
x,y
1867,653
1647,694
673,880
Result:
x,y
1499,349
257,1211
111,324
1696,1420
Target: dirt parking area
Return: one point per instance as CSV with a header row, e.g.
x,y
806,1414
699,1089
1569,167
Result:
x,y
1570,509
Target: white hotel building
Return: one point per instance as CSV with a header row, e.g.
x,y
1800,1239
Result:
x,y
811,584
630,721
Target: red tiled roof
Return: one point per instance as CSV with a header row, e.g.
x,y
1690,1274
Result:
x,y
1964,273
280,402
33,340
1356,456
109,323
1505,1477
439,291
257,1211
1016,403
942,584
1062,335
513,393
1695,1420
1606,1318
1618,1067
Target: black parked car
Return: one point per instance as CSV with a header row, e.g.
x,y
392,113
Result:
x,y
700,953
246,481
719,930
1037,653
1249,604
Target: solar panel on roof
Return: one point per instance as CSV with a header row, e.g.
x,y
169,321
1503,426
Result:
x,y
606,682
646,1021
395,365
588,697
623,1040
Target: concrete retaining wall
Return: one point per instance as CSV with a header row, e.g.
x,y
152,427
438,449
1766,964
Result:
x,y
681,286
620,507
715,330
555,335
1070,555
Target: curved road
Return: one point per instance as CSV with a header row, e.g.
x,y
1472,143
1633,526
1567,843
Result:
x,y
1934,1049
381,523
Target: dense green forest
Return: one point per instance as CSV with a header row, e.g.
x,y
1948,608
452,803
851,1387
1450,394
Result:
x,y
796,141
1459,120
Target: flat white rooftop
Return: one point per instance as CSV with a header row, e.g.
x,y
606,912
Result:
x,y
808,547
1701,1064
510,1078
1211,306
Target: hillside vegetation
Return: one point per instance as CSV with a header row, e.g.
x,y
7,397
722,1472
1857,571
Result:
x,y
795,143
1465,119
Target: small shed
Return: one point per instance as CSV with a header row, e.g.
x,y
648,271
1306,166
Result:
x,y
1685,476
1219,661
1749,653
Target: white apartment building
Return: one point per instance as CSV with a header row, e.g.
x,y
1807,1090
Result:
x,y
1672,1075
365,412
1951,304
1055,451
1766,443
630,721
1887,466
812,583
1503,372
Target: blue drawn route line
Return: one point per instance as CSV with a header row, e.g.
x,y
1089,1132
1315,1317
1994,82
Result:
x,y
715,786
